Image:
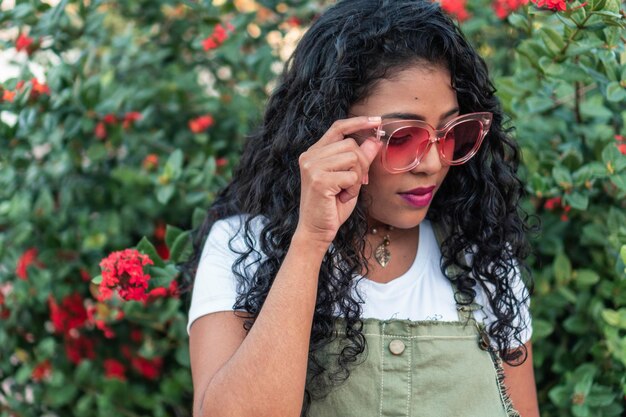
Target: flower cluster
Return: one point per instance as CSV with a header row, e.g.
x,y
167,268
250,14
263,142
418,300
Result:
x,y
201,123
503,8
69,315
456,8
219,35
26,44
150,162
555,204
127,120
28,258
123,271
556,5
37,89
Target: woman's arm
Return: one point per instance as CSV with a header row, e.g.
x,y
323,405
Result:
x,y
263,373
520,383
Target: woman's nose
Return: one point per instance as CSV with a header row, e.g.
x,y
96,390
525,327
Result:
x,y
431,162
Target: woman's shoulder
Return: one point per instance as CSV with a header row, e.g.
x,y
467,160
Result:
x,y
236,229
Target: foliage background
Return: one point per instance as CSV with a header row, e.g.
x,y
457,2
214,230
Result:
x,y
135,121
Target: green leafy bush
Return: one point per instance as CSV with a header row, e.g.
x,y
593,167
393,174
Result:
x,y
120,120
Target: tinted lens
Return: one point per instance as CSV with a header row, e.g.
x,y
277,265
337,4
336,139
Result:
x,y
461,140
405,145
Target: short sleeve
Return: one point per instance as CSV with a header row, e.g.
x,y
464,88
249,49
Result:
x,y
215,285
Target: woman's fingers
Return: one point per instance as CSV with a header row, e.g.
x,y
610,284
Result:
x,y
340,129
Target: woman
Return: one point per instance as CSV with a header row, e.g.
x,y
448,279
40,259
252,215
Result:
x,y
365,259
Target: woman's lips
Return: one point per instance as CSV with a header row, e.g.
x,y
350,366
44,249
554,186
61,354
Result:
x,y
418,197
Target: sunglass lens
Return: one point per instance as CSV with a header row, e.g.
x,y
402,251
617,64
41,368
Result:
x,y
461,140
404,145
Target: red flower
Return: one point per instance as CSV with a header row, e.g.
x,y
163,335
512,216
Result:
x,y
8,95
455,8
156,293
221,162
173,289
150,161
503,8
209,44
149,368
100,131
114,369
28,258
38,89
620,138
109,119
622,148
71,314
79,348
219,35
99,315
201,123
136,335
294,21
552,203
163,251
42,371
159,230
556,5
24,43
123,270
130,118
84,274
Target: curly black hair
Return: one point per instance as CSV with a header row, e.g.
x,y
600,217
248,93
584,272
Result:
x,y
337,63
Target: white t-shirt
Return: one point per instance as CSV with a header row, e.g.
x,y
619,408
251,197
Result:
x,y
421,293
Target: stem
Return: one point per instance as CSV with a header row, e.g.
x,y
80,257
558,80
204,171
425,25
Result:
x,y
570,40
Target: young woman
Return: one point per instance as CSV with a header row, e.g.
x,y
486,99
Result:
x,y
365,259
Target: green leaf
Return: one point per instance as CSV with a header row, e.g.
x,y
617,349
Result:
x,y
146,247
615,92
60,396
586,277
542,329
562,176
165,193
552,39
174,164
97,280
577,200
615,318
197,217
619,181
171,233
182,248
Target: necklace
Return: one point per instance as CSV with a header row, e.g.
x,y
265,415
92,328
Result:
x,y
382,254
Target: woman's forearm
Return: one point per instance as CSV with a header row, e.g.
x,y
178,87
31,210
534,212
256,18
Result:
x,y
267,374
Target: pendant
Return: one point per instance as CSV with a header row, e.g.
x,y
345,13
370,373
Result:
x,y
382,254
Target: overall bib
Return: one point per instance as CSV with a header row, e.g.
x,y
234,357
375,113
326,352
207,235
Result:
x,y
418,369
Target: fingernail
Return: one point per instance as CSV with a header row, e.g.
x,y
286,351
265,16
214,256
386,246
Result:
x,y
365,180
374,119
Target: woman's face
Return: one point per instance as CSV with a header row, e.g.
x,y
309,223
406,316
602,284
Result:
x,y
421,92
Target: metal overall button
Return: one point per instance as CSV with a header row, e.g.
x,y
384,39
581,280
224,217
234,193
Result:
x,y
396,347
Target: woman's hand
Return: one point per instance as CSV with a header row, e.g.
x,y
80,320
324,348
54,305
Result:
x,y
332,172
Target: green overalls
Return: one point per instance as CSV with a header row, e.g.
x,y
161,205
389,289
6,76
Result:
x,y
418,369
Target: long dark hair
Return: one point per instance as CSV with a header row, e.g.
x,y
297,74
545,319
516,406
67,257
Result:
x,y
347,50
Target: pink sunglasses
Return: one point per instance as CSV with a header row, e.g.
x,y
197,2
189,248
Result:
x,y
407,141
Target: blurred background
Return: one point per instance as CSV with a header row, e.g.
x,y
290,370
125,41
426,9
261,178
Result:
x,y
120,120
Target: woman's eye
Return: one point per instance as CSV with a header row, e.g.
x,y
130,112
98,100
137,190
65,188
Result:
x,y
399,140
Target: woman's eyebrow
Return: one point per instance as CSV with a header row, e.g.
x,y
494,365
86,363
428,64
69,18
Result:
x,y
414,116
